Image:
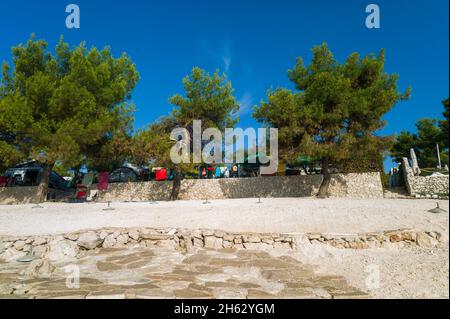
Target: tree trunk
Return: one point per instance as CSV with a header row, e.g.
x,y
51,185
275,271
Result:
x,y
43,183
323,190
176,185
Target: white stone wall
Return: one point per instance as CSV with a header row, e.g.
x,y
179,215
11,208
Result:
x,y
424,185
366,185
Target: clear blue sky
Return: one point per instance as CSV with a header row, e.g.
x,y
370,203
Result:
x,y
254,41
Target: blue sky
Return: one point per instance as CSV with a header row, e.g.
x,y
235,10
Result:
x,y
254,41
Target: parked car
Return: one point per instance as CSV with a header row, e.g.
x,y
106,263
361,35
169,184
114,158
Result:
x,y
123,175
29,174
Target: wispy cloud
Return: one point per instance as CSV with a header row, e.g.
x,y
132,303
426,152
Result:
x,y
226,63
222,55
246,103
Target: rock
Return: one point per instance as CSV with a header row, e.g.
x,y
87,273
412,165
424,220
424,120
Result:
x,y
227,244
228,237
116,234
40,251
213,242
109,241
238,240
197,234
19,245
73,237
122,240
208,232
2,247
40,268
188,242
11,254
425,241
157,237
39,241
172,232
395,238
314,236
198,242
268,241
219,233
103,234
251,239
134,234
89,240
61,250
407,236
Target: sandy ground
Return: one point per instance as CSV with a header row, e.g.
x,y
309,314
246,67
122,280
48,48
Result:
x,y
287,215
391,272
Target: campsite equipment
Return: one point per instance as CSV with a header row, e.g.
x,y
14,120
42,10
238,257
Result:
x,y
122,175
161,175
103,181
88,179
218,173
3,181
82,192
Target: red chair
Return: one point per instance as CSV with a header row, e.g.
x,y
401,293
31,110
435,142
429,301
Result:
x,y
161,175
82,192
3,181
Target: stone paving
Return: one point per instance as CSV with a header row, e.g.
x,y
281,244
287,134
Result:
x,y
154,273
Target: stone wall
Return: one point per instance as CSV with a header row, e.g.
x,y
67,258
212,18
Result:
x,y
366,185
426,186
76,245
71,246
18,195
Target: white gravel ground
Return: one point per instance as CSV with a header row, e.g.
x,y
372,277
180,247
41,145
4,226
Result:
x,y
291,215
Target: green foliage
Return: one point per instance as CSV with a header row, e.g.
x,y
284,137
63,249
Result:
x,y
68,106
336,109
429,133
208,98
152,146
443,124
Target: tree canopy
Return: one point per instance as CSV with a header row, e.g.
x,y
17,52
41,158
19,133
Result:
x,y
208,98
65,106
430,132
336,110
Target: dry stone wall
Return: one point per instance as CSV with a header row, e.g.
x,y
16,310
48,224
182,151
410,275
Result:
x,y
434,186
357,185
67,247
365,185
18,195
